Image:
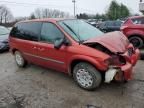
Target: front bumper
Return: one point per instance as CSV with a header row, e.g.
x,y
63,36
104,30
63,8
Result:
x,y
120,73
128,68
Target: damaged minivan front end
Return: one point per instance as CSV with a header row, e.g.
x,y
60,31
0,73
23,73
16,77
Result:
x,y
122,55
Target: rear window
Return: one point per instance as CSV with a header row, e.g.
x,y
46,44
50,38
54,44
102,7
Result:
x,y
109,23
138,20
117,23
27,31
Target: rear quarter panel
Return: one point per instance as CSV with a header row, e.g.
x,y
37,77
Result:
x,y
134,30
23,46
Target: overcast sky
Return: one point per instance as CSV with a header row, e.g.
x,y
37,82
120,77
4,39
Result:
x,y
88,6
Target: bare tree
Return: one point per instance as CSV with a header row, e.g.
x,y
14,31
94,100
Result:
x,y
1,13
48,13
17,19
5,14
45,13
38,13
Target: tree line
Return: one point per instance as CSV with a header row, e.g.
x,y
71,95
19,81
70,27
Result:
x,y
48,13
5,14
115,11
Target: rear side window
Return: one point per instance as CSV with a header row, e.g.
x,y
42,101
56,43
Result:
x,y
138,21
50,33
27,31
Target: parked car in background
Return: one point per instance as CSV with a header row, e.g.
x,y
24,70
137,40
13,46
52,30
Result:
x,y
74,47
93,23
10,28
4,33
110,26
133,28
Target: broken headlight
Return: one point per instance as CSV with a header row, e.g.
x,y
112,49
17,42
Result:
x,y
116,60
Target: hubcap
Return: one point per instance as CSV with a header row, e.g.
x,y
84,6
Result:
x,y
84,78
19,59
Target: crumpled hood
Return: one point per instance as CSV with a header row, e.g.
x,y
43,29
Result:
x,y
116,42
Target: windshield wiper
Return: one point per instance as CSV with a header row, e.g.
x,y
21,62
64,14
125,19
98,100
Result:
x,y
80,41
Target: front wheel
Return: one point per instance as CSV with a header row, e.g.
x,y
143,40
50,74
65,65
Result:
x,y
87,76
136,41
20,61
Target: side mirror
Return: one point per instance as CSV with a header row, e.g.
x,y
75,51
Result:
x,y
58,43
66,42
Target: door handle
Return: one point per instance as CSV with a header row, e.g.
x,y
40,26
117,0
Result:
x,y
35,47
41,49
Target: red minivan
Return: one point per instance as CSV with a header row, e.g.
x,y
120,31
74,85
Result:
x,y
74,47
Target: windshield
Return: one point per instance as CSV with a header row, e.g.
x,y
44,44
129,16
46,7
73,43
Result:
x,y
3,30
80,30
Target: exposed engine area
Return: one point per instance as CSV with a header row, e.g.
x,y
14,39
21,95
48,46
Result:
x,y
100,48
115,59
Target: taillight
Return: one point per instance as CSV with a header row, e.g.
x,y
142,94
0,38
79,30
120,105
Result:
x,y
116,60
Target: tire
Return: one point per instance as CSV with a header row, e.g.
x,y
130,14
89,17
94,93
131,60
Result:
x,y
86,76
20,61
136,41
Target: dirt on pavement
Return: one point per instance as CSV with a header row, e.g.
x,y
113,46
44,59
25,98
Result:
x,y
38,87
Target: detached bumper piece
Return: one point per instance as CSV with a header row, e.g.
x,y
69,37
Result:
x,y
110,75
114,74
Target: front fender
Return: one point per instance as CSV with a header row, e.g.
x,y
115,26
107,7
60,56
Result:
x,y
97,62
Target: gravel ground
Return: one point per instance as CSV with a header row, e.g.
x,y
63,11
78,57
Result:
x,y
37,87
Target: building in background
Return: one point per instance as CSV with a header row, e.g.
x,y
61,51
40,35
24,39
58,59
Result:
x,y
141,6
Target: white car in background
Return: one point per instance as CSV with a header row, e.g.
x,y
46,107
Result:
x,y
4,34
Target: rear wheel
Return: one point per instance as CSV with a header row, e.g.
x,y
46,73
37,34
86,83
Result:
x,y
136,41
87,76
20,61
